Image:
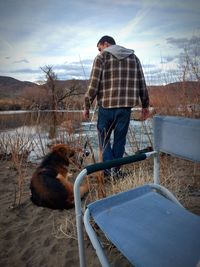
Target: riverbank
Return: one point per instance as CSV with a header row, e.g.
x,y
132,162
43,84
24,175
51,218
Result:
x,y
34,236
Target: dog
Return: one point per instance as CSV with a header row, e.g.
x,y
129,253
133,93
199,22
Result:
x,y
50,186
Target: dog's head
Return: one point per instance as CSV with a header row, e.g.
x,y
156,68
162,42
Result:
x,y
65,151
73,155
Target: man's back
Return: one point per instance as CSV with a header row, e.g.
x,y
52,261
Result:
x,y
118,75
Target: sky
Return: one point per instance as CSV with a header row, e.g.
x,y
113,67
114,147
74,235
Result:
x,y
64,34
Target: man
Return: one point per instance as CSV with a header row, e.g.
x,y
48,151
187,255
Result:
x,y
118,82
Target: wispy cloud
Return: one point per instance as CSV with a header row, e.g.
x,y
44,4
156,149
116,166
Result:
x,y
26,71
5,46
183,42
63,71
43,32
133,25
178,42
21,61
166,59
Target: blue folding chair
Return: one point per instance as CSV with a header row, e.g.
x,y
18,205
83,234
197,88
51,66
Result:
x,y
147,224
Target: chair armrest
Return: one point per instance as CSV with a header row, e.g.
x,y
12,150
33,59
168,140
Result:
x,y
117,162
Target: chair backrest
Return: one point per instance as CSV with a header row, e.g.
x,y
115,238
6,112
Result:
x,y
177,136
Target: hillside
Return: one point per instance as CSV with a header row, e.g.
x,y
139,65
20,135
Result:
x,y
10,87
175,94
23,94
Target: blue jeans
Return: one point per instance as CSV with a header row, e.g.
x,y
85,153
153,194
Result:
x,y
114,120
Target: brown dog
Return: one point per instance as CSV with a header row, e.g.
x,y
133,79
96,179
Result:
x,y
50,186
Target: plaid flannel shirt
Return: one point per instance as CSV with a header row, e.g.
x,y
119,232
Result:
x,y
117,83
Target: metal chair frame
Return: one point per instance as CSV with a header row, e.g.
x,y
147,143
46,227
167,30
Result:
x,y
184,130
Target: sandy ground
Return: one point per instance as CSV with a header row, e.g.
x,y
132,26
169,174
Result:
x,y
34,236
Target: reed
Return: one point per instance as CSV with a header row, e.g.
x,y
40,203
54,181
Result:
x,y
17,147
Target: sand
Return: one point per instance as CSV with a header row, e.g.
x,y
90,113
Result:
x,y
35,236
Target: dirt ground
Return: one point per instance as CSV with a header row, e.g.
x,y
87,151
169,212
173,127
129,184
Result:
x,y
35,236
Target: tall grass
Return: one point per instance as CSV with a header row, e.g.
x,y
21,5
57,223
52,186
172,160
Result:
x,y
23,143
16,146
180,99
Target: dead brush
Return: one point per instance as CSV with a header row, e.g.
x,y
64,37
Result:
x,y
64,226
18,146
182,178
179,176
4,148
177,100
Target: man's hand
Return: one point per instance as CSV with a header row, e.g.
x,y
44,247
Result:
x,y
86,114
144,114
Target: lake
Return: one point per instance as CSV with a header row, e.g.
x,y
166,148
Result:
x,y
37,130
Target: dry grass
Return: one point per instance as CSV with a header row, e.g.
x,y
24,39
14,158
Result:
x,y
16,147
177,99
180,176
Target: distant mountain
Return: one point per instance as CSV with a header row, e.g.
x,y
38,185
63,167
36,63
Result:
x,y
172,94
80,84
10,87
175,94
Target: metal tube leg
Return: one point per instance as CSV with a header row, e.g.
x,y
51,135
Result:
x,y
79,217
157,168
95,242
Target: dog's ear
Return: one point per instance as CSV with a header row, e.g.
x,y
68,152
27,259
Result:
x,y
70,152
66,151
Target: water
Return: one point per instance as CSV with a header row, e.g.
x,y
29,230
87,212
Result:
x,y
36,131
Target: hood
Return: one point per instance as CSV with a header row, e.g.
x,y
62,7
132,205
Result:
x,y
118,51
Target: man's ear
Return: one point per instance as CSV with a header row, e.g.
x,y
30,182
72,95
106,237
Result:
x,y
106,44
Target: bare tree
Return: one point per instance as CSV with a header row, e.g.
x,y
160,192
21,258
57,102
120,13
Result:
x,y
51,84
58,90
190,60
58,93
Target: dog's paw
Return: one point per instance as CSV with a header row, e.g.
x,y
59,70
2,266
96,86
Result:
x,y
60,177
69,175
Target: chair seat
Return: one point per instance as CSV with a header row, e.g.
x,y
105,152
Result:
x,y
149,229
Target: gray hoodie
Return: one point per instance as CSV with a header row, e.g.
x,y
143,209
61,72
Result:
x,y
118,51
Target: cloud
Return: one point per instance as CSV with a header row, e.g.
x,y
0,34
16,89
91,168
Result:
x,y
178,42
167,59
5,46
152,72
26,71
132,25
21,61
183,5
75,70
183,42
148,66
162,76
189,49
54,35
